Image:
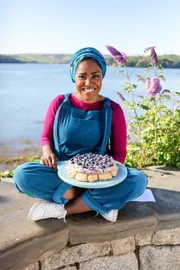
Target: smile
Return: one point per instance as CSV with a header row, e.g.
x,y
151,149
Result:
x,y
88,90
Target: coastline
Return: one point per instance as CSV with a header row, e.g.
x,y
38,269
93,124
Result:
x,y
16,152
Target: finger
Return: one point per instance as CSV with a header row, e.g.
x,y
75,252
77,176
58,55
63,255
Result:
x,y
42,161
45,161
54,166
49,162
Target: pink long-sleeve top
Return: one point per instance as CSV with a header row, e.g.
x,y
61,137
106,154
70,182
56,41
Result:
x,y
118,129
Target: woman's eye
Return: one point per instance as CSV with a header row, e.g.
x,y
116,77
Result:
x,y
96,76
81,77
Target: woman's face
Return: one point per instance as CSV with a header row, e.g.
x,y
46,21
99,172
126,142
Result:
x,y
88,80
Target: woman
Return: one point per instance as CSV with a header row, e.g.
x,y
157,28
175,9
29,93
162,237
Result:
x,y
79,123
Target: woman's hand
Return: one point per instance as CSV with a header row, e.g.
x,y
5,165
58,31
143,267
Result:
x,y
48,158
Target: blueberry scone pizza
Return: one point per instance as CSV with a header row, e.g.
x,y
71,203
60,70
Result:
x,y
92,167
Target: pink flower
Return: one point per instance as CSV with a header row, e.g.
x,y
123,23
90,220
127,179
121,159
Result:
x,y
153,86
120,57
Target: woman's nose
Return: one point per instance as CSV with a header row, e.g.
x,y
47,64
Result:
x,y
88,81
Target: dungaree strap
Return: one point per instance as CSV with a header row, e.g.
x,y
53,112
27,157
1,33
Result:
x,y
56,124
107,129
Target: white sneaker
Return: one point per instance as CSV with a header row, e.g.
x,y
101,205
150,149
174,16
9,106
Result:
x,y
46,209
111,215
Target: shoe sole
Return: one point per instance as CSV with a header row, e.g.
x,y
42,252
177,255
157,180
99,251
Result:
x,y
31,210
115,217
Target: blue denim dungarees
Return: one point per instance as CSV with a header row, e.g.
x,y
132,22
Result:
x,y
78,131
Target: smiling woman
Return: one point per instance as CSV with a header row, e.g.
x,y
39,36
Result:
x,y
80,123
88,81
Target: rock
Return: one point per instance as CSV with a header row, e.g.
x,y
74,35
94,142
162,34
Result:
x,y
143,239
122,246
34,266
75,254
123,262
161,258
166,237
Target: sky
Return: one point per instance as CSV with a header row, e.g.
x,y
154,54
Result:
x,y
65,26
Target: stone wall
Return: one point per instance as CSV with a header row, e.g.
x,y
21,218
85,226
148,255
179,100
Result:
x,y
149,251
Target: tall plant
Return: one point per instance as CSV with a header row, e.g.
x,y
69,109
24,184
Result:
x,y
154,119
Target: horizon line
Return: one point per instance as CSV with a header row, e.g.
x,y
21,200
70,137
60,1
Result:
x,y
136,54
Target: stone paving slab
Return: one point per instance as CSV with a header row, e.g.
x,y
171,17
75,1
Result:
x,y
24,241
14,225
165,185
21,240
167,207
163,178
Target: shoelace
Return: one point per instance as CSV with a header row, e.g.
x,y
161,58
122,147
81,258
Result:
x,y
54,212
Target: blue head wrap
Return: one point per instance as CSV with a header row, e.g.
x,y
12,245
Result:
x,y
83,53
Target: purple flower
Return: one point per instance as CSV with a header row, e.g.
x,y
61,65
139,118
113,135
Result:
x,y
121,96
112,50
153,56
120,58
153,86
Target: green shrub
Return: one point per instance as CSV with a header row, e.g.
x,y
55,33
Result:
x,y
154,121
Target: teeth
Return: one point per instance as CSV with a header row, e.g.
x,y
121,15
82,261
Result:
x,y
88,90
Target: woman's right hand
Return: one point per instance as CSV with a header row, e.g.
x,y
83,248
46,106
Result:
x,y
48,158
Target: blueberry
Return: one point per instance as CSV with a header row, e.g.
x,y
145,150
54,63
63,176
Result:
x,y
79,163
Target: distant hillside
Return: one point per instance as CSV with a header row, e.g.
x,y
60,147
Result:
x,y
168,61
36,58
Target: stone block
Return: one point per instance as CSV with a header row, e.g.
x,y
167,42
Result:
x,y
160,257
123,262
166,237
75,254
143,239
122,246
133,218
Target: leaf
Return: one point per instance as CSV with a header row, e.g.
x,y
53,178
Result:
x,y
148,69
162,78
120,71
134,86
6,174
166,96
162,106
144,107
140,78
165,91
160,67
